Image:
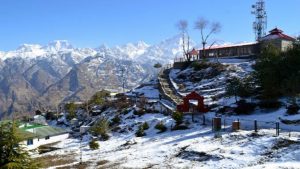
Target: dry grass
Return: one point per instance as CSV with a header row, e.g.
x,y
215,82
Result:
x,y
102,162
107,165
55,160
83,165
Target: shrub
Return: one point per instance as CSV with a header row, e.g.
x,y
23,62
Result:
x,y
139,112
94,145
292,109
140,132
101,128
269,104
71,109
178,117
50,116
125,111
116,120
200,65
99,97
180,127
244,108
145,126
157,65
104,136
161,127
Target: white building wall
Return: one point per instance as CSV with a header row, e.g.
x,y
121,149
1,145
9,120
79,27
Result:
x,y
42,141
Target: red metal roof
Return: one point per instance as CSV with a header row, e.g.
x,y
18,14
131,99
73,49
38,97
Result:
x,y
193,52
276,34
231,45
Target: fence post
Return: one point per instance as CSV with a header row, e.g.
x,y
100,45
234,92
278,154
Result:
x,y
217,124
212,124
193,117
224,124
203,119
255,126
277,128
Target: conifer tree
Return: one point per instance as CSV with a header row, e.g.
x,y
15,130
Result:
x,y
12,154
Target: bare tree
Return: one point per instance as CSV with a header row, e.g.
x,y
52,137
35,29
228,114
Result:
x,y
182,26
203,24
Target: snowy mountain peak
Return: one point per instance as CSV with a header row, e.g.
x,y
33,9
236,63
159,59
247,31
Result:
x,y
28,47
142,44
59,45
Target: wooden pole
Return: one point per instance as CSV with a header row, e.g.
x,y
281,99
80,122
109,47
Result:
x,y
255,126
277,128
224,124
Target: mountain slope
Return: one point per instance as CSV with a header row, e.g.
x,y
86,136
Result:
x,y
34,76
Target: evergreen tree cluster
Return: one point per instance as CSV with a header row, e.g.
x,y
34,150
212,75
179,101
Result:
x,y
71,109
240,87
278,73
99,97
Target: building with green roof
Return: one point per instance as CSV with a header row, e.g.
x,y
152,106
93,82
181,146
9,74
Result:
x,y
37,135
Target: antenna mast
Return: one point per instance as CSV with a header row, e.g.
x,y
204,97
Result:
x,y
260,23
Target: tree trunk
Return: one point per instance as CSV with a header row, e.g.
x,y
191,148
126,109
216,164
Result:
x,y
203,50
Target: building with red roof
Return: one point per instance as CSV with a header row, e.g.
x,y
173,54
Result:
x,y
275,37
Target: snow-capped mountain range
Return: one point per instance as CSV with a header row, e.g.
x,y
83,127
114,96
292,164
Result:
x,y
35,76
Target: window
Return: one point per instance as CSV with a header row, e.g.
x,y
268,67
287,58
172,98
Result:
x,y
47,137
30,142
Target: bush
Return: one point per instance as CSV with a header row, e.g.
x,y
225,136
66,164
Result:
x,y
178,117
244,108
101,128
157,65
50,116
292,109
145,126
104,136
200,65
161,127
125,111
139,112
269,104
140,132
116,120
99,97
71,109
180,127
94,145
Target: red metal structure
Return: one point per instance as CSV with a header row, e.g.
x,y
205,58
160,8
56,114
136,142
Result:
x,y
185,107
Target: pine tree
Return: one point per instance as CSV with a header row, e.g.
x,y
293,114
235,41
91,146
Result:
x,y
12,154
71,108
232,87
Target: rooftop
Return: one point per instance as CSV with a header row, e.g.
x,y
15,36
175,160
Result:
x,y
41,131
277,34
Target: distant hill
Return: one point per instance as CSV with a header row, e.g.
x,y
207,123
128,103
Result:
x,y
36,76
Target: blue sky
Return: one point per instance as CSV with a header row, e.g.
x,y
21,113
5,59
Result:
x,y
89,23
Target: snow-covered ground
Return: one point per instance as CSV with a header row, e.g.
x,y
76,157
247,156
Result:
x,y
196,147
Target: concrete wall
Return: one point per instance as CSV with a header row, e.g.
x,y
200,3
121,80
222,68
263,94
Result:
x,y
285,45
281,44
43,141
